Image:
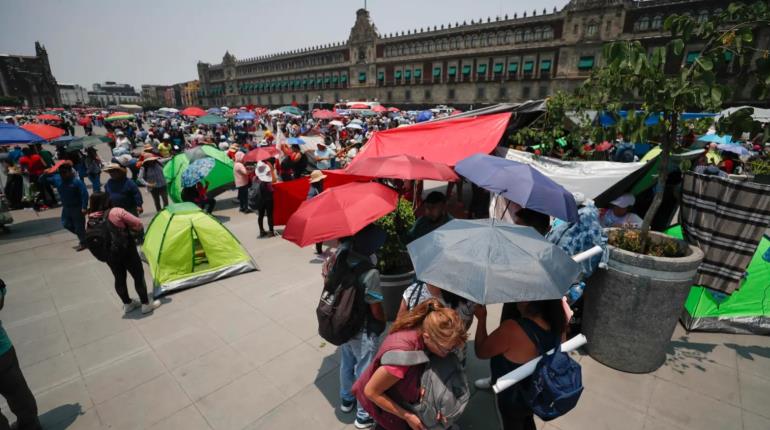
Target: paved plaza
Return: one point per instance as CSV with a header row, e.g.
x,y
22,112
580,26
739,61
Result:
x,y
243,353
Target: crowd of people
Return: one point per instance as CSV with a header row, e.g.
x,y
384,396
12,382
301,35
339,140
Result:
x,y
430,318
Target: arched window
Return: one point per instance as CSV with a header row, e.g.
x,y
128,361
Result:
x,y
548,33
644,23
591,29
703,16
445,44
501,38
475,41
418,48
657,22
539,33
468,42
400,50
453,44
527,35
518,36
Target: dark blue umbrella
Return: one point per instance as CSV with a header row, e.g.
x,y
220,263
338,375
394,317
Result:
x,y
10,133
64,140
521,184
196,171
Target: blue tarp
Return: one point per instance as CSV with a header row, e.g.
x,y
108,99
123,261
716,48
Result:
x,y
606,120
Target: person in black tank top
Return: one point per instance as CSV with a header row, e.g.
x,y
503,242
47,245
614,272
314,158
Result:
x,y
516,341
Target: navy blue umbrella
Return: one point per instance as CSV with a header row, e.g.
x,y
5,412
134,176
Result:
x,y
519,183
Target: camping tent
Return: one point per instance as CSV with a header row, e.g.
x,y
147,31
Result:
x,y
186,247
219,179
746,311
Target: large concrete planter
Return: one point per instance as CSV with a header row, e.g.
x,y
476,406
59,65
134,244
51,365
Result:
x,y
393,287
632,307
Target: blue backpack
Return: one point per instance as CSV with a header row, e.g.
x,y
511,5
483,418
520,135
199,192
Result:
x,y
555,385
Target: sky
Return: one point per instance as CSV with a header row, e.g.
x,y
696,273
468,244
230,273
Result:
x,y
160,41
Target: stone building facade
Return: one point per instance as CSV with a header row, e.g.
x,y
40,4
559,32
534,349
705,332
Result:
x,y
29,79
473,62
112,93
73,95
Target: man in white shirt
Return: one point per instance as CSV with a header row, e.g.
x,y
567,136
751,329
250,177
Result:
x,y
323,157
618,214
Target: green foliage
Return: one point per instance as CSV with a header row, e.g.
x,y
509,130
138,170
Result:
x,y
631,240
632,72
759,167
392,257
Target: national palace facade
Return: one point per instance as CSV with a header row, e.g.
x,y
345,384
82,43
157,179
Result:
x,y
472,62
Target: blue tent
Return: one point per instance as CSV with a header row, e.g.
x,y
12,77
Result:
x,y
10,134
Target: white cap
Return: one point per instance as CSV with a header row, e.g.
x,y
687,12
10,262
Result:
x,y
624,201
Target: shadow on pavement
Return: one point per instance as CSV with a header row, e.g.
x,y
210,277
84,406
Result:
x,y
35,227
328,385
61,417
683,354
749,352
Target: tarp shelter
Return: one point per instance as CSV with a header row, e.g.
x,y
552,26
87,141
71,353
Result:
x,y
447,141
746,311
185,247
219,179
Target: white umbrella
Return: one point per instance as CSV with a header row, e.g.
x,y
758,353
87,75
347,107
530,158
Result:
x,y
336,123
274,112
355,126
167,109
356,121
224,108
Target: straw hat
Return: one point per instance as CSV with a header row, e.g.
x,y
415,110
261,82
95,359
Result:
x,y
316,176
114,166
263,172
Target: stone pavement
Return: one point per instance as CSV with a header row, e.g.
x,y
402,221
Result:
x,y
243,353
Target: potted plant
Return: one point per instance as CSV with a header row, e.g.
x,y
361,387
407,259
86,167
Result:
x,y
396,271
761,171
632,307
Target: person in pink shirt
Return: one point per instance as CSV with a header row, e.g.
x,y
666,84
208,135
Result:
x,y
242,181
123,258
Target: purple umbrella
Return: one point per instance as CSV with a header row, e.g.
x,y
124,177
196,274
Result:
x,y
521,184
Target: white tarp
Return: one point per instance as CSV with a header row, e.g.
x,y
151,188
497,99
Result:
x,y
759,115
591,178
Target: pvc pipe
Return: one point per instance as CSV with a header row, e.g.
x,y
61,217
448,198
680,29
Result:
x,y
585,255
508,380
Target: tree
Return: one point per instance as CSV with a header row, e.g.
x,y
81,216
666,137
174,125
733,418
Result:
x,y
632,72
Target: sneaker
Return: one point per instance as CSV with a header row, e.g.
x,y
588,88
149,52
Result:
x,y
483,383
364,424
263,234
146,309
347,405
128,307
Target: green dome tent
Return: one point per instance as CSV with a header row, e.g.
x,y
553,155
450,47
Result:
x,y
185,247
746,311
219,179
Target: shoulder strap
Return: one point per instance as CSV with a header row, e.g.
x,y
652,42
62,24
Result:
x,y
397,357
418,292
528,326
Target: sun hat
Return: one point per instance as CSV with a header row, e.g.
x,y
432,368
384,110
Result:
x,y
624,201
316,176
114,166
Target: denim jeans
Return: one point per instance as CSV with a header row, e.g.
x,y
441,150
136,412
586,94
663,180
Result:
x,y
356,355
96,182
73,220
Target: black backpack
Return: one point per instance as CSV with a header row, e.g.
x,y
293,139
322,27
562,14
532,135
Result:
x,y
103,238
342,310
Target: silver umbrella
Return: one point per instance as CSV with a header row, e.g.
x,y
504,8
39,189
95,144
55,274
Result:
x,y
489,261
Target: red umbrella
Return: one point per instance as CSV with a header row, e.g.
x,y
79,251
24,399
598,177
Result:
x,y
47,132
84,120
49,117
402,167
359,106
393,109
262,153
339,212
193,111
379,108
324,114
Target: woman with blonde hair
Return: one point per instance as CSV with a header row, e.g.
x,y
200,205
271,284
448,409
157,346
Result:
x,y
384,391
